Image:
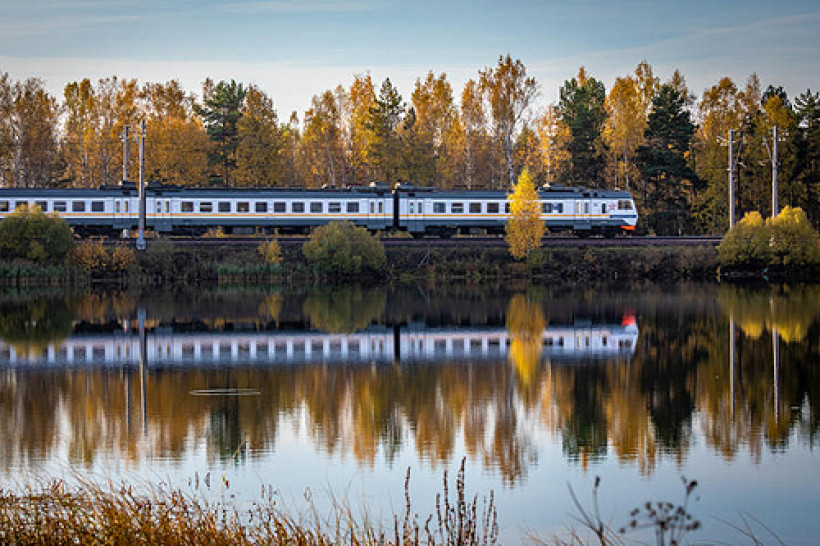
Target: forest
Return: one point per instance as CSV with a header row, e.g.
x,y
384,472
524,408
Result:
x,y
656,139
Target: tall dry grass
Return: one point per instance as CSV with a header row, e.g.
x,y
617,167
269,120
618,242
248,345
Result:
x,y
88,512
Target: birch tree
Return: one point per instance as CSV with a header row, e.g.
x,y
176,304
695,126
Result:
x,y
509,93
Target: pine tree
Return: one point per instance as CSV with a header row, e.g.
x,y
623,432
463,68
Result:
x,y
807,107
221,110
383,121
667,176
582,107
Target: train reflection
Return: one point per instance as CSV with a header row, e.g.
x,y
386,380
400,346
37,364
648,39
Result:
x,y
176,346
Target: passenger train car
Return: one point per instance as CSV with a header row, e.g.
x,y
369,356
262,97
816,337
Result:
x,y
419,211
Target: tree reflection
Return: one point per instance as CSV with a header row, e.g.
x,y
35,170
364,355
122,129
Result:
x,y
32,326
638,409
344,310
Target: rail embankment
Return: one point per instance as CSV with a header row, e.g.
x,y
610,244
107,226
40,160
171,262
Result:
x,y
167,263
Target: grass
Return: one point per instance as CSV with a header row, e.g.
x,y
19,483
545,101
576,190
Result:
x,y
93,513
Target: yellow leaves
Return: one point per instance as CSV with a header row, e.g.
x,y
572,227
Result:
x,y
526,324
524,226
790,313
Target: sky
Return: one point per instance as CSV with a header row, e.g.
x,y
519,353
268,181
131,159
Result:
x,y
295,49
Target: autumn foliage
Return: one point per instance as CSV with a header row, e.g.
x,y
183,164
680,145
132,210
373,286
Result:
x,y
30,234
524,227
785,240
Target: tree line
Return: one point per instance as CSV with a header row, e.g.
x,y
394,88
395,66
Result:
x,y
655,139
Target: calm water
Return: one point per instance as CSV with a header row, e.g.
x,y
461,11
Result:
x,y
320,393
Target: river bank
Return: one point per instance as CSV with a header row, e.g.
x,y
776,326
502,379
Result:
x,y
165,263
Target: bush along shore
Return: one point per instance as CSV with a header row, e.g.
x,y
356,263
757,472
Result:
x,y
166,263
785,248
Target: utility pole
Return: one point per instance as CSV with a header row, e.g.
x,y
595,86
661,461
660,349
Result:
x,y
775,208
141,221
731,179
126,150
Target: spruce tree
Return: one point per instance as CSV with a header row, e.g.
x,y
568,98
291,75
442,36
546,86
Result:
x,y
220,111
582,107
667,175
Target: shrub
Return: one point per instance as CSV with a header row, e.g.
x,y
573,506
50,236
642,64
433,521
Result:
x,y
270,251
746,244
90,255
340,248
792,239
122,257
29,233
786,240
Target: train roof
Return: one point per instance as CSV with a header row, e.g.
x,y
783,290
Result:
x,y
153,188
35,193
216,193
556,192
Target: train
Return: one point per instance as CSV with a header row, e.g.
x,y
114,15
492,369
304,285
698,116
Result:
x,y
419,211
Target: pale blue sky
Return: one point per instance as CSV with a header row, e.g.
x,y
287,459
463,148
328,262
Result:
x,y
294,49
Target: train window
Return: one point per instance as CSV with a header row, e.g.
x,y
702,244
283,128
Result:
x,y
506,208
261,206
603,208
159,206
439,208
116,206
21,204
315,206
243,206
279,206
42,205
457,208
224,206
475,208
4,206
97,206
78,206
353,207
125,207
206,207
546,208
187,206
381,207
559,207
586,208
334,207
298,207
167,207
492,208
412,207
625,205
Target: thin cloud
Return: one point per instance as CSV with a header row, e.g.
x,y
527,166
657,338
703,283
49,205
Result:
x,y
302,6
53,25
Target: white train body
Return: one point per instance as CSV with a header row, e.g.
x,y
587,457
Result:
x,y
418,211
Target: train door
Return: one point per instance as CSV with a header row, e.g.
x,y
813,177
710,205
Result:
x,y
415,214
582,214
162,218
121,213
377,213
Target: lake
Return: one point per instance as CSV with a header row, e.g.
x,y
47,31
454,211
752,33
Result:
x,y
328,395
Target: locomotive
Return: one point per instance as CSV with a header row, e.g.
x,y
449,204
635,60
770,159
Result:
x,y
419,211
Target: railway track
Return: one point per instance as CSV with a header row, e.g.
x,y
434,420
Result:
x,y
394,242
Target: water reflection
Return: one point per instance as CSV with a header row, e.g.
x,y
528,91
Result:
x,y
374,374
